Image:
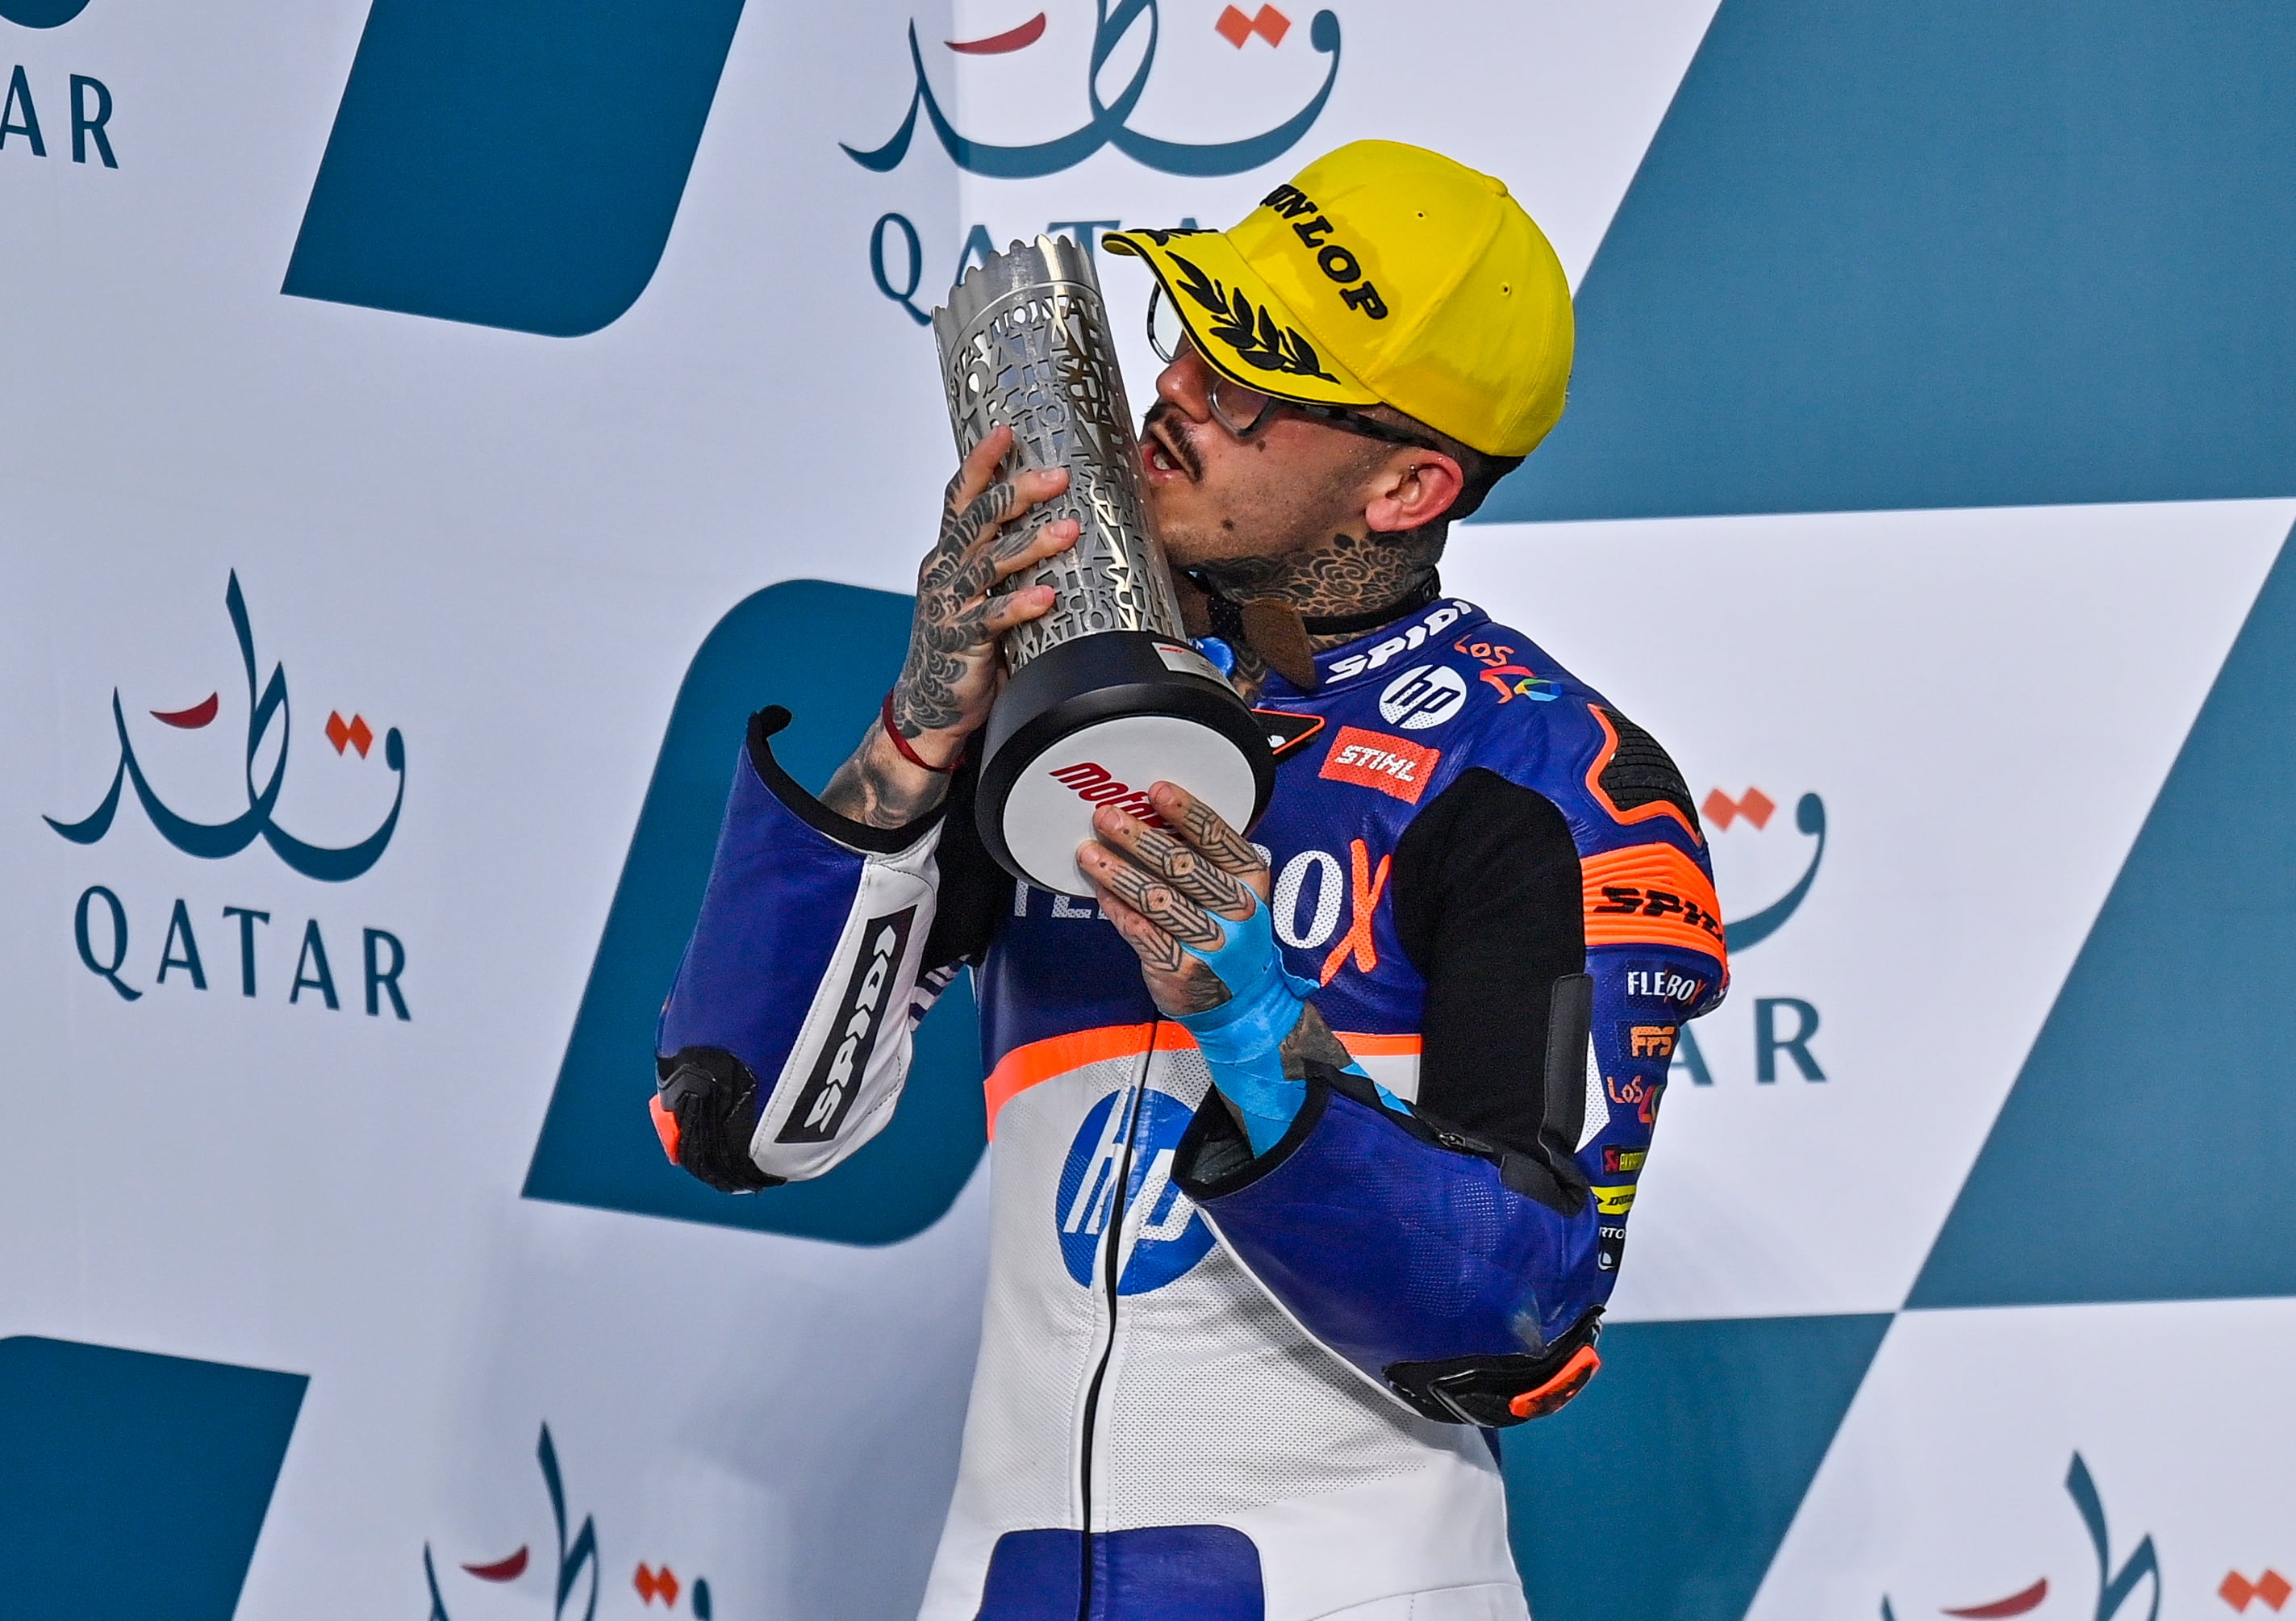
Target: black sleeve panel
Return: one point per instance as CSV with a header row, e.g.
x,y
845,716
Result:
x,y
975,892
1489,907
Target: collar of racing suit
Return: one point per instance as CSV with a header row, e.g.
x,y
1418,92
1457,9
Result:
x,y
1277,632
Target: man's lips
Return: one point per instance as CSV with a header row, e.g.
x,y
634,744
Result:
x,y
1179,456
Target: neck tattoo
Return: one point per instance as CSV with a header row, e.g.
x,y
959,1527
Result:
x,y
1349,574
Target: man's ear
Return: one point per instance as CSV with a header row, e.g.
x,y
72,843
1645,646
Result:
x,y
1414,489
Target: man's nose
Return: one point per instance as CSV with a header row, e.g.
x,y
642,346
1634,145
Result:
x,y
1187,384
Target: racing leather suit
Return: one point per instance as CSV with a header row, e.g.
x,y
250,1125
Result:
x,y
1211,1385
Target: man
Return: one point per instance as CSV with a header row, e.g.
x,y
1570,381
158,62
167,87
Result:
x,y
1311,1157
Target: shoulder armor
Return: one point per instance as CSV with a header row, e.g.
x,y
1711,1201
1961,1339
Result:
x,y
1634,778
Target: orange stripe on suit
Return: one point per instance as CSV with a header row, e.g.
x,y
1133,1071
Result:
x,y
1650,895
1025,1066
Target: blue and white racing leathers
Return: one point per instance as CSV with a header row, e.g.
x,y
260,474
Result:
x,y
1215,1386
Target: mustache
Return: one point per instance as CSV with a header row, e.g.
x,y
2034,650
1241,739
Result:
x,y
1170,429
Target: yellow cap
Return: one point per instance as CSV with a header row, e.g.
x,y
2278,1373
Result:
x,y
1382,275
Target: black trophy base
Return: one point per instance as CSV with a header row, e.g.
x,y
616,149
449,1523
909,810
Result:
x,y
1095,721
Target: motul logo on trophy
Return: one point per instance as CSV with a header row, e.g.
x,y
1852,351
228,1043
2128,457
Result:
x,y
1096,785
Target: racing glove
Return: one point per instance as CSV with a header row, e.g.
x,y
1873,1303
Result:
x,y
705,1111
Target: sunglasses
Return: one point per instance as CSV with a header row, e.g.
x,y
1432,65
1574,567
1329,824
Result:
x,y
1243,411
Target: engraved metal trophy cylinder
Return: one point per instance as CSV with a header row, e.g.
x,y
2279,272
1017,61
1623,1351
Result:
x,y
1106,695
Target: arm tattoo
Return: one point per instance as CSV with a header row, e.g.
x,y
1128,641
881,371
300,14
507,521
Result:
x,y
866,790
1312,1039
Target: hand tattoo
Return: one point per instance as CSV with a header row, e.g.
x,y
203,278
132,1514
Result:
x,y
948,638
1228,850
1169,887
1187,871
1163,905
950,674
1185,979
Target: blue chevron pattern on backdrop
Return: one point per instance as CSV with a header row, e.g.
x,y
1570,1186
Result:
x,y
833,649
134,1485
1877,257
2047,246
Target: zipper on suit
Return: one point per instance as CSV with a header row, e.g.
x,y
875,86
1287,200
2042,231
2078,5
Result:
x,y
1119,1202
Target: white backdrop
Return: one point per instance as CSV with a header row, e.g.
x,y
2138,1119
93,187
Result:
x,y
508,546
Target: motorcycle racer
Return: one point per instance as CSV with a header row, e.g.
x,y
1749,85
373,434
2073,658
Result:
x,y
1312,1151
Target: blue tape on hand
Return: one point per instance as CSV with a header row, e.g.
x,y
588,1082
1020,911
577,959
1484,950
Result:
x,y
1242,1038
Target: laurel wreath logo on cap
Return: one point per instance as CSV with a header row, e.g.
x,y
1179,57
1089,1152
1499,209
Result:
x,y
1255,336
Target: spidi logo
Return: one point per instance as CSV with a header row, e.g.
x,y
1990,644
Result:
x,y
1754,851
81,97
1105,62
102,920
829,1092
832,645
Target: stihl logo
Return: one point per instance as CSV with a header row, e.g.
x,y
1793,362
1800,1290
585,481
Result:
x,y
1372,759
1098,784
830,1091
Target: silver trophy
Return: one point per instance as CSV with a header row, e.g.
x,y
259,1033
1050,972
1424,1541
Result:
x,y
1106,693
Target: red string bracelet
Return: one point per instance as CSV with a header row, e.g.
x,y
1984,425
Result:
x,y
902,743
